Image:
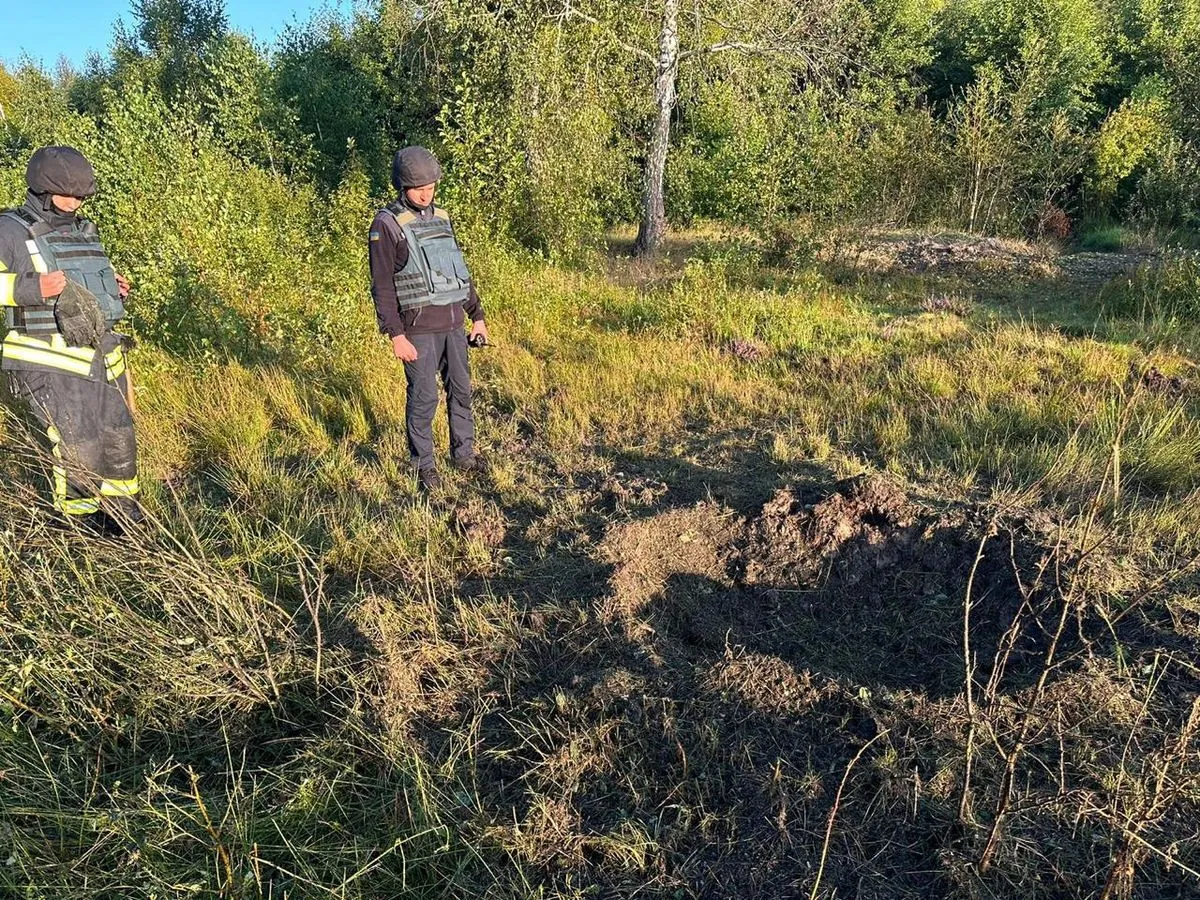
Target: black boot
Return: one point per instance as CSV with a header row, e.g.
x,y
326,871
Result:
x,y
123,516
476,464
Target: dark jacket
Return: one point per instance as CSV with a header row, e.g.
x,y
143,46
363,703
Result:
x,y
27,288
388,254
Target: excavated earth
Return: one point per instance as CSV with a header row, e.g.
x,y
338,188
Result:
x,y
687,729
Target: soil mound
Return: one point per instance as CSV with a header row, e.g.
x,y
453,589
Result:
x,y
860,580
863,526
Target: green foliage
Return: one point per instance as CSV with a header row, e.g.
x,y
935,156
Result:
x,y
1103,239
1134,133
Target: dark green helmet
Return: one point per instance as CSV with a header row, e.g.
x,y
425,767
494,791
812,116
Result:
x,y
415,167
61,170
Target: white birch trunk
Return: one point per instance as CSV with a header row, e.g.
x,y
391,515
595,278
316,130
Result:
x,y
654,215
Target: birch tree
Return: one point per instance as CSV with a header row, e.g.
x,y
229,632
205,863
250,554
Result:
x,y
812,36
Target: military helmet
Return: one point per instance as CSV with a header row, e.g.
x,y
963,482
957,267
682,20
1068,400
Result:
x,y
415,167
63,171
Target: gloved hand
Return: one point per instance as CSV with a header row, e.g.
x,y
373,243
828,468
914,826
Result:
x,y
80,319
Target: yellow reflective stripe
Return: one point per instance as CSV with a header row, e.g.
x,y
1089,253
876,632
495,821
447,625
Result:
x,y
114,362
39,264
8,284
60,482
82,507
119,488
53,353
55,344
60,472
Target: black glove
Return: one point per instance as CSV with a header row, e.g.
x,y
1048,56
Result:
x,y
80,319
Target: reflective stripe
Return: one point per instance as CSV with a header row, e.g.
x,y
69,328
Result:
x,y
54,353
8,284
79,506
39,264
119,488
82,507
114,363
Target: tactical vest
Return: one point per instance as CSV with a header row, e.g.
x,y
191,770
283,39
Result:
x,y
80,256
436,273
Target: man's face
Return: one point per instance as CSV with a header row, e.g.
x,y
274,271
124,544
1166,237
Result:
x,y
66,204
420,196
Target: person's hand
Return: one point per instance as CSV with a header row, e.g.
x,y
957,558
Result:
x,y
479,327
403,349
122,285
52,284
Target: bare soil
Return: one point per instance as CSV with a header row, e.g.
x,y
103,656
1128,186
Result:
x,y
684,730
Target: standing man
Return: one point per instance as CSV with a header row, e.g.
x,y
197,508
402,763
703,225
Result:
x,y
61,298
423,293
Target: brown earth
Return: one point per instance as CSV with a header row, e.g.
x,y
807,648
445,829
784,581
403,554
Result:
x,y
683,731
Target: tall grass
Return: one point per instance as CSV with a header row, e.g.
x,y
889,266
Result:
x,y
282,688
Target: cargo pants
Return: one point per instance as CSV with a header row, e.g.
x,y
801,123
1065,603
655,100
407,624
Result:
x,y
87,426
442,355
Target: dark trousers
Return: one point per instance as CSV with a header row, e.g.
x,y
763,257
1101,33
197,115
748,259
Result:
x,y
88,430
441,355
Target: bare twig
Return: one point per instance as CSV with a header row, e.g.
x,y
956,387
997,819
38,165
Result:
x,y
837,800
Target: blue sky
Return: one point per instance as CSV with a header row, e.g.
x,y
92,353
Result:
x,y
72,28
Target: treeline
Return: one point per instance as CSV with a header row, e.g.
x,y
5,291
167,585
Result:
x,y
1002,116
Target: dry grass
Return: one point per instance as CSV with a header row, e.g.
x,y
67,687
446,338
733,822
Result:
x,y
644,656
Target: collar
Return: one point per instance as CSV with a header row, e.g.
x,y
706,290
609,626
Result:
x,y
41,207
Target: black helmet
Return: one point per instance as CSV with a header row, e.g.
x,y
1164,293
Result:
x,y
61,170
415,167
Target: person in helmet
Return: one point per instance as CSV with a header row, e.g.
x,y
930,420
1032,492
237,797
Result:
x,y
423,295
61,298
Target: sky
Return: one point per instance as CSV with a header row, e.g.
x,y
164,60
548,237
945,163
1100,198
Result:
x,y
48,29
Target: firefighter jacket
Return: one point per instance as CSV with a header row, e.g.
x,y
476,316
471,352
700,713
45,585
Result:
x,y
35,241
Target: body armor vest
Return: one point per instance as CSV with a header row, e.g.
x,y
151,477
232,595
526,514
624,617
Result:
x,y
80,256
436,273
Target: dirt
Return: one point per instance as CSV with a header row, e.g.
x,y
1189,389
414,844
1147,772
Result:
x,y
682,731
744,350
870,521
1157,382
966,255
480,520
949,254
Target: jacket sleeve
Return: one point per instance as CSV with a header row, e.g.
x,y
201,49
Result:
x,y
473,305
387,252
19,284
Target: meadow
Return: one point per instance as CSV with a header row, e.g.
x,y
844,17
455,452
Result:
x,y
793,577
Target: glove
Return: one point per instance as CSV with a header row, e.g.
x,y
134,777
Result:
x,y
80,319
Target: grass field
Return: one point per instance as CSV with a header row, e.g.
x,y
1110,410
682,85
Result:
x,y
802,571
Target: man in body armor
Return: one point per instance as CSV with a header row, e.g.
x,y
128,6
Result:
x,y
423,293
61,298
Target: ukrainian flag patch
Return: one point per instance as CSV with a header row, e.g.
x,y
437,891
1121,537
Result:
x,y
374,235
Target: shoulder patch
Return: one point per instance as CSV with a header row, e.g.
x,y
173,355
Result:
x,y
374,235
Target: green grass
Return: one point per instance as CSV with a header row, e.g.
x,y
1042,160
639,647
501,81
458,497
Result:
x,y
1103,239
308,681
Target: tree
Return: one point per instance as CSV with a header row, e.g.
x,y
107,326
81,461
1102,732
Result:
x,y
811,36
176,36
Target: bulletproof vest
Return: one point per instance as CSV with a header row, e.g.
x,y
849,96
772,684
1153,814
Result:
x,y
436,273
80,256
